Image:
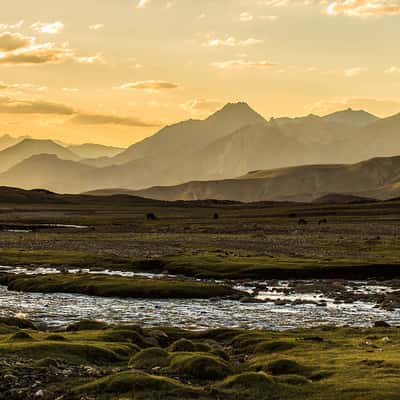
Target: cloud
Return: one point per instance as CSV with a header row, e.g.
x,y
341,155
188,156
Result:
x,y
361,8
109,119
151,85
9,105
143,3
352,72
21,86
381,107
18,49
14,106
242,64
17,25
246,17
13,41
201,105
96,27
232,42
51,28
70,90
352,8
393,69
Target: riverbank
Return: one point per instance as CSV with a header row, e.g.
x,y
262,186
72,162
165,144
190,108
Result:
x,y
93,360
118,286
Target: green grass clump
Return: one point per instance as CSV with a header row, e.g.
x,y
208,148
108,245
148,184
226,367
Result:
x,y
20,336
202,366
117,286
287,367
186,345
74,352
274,346
56,338
293,379
125,335
86,325
17,322
149,359
257,383
136,385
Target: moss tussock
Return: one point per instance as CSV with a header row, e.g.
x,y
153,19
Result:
x,y
116,286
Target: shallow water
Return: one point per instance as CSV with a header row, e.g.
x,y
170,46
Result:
x,y
59,309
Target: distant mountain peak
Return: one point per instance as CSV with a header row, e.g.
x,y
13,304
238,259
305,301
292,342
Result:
x,y
238,111
357,118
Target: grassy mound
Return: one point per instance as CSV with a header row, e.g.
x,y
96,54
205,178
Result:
x,y
124,335
257,382
86,325
186,345
199,366
287,367
150,358
136,385
20,336
17,322
56,338
275,346
117,286
74,352
293,380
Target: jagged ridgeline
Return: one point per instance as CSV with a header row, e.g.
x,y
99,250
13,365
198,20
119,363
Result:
x,y
229,144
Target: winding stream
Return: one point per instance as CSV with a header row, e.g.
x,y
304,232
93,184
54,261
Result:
x,y
59,309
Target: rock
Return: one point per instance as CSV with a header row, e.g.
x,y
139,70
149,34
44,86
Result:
x,y
248,299
381,324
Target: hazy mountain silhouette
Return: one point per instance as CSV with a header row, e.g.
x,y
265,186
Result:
x,y
352,118
92,150
29,147
226,145
378,178
189,136
8,141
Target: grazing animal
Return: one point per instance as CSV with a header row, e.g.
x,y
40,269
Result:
x,y
322,221
302,222
151,217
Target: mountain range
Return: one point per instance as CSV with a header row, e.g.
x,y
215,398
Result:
x,y
294,159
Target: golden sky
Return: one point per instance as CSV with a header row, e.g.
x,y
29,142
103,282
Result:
x,y
114,71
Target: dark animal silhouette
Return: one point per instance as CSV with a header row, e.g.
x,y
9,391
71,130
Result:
x,y
151,217
322,221
216,216
302,222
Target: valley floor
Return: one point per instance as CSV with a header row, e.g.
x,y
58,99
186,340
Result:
x,y
238,268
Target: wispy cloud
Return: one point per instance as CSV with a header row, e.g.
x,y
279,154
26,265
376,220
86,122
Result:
x,y
151,85
361,8
22,86
51,28
243,64
10,105
352,72
232,42
109,119
392,70
201,105
17,25
96,27
16,48
13,41
16,106
143,3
